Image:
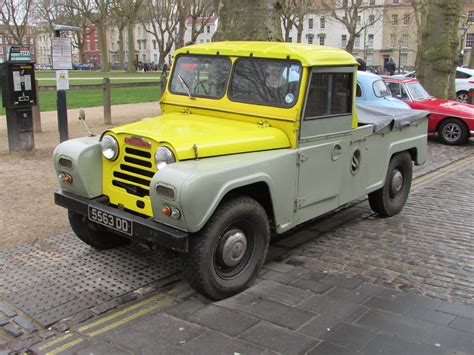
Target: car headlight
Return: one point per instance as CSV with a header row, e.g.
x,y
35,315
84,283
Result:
x,y
110,147
163,157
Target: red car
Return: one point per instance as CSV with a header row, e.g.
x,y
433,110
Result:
x,y
452,120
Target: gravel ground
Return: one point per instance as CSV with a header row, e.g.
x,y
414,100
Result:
x,y
27,210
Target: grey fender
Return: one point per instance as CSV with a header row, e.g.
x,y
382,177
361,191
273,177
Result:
x,y
200,185
86,170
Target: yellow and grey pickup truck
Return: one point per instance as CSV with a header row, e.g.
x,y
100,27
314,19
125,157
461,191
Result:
x,y
254,137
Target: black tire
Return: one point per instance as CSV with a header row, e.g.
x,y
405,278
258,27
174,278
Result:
x,y
208,268
93,234
453,131
462,96
390,199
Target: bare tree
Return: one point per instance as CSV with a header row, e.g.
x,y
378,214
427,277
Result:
x,y
355,15
160,19
292,13
14,15
249,20
438,45
198,12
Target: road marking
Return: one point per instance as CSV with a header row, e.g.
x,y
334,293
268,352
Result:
x,y
65,347
55,341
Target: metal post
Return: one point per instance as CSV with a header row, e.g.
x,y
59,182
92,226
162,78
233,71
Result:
x,y
62,108
107,102
62,116
399,55
37,110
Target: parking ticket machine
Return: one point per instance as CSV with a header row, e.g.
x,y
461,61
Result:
x,y
17,80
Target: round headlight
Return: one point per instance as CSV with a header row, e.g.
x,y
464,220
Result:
x,y
163,157
109,147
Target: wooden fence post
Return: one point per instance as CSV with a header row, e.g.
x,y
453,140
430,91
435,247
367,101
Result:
x,y
36,110
107,102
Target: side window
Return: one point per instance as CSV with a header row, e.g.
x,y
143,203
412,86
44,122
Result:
x,y
358,91
395,89
330,94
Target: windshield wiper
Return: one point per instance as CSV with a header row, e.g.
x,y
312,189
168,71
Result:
x,y
185,86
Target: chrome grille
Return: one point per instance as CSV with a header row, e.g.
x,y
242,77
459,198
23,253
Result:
x,y
134,172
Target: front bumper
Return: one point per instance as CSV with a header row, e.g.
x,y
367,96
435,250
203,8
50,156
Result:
x,y
144,229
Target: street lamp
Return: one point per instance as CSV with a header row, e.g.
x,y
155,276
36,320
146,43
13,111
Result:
x,y
399,54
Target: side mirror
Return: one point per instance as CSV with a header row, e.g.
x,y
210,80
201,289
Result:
x,y
82,114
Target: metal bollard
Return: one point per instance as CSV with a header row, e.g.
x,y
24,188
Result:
x,y
470,98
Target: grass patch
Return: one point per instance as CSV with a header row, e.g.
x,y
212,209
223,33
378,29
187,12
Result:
x,y
43,74
90,98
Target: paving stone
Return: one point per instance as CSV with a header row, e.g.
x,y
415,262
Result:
x,y
409,328
216,343
25,324
185,309
357,295
319,326
349,336
102,347
333,307
456,309
280,314
451,339
312,285
278,339
7,310
2,342
464,324
341,281
428,315
4,352
61,327
386,305
239,302
166,330
418,301
276,276
227,321
13,330
3,321
161,349
278,292
25,344
326,348
389,345
280,267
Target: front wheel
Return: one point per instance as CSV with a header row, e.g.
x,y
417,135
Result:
x,y
462,96
226,255
93,234
390,199
453,132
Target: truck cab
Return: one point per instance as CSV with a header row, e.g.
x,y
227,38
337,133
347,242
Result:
x,y
253,137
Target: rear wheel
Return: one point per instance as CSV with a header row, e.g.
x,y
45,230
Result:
x,y
93,234
453,131
462,96
390,199
225,256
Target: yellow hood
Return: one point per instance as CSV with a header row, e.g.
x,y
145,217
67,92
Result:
x,y
212,136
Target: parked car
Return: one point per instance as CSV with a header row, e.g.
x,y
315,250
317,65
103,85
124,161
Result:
x,y
452,120
464,81
372,90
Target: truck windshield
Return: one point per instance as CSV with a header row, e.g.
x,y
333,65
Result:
x,y
268,82
200,76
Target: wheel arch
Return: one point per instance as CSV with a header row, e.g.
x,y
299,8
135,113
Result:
x,y
440,122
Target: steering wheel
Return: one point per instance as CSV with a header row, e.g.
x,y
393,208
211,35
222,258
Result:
x,y
201,85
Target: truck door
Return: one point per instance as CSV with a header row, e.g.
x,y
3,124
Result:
x,y
325,133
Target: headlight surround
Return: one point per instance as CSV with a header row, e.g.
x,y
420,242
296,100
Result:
x,y
110,148
164,156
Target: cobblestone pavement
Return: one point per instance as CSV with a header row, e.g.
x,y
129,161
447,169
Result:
x,y
355,282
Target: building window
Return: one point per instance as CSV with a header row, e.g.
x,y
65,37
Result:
x,y
403,59
372,2
393,40
1,39
310,39
343,41
139,44
155,57
310,23
370,59
405,40
322,39
322,22
1,50
208,28
371,20
406,20
396,1
290,39
344,3
154,44
359,19
357,41
470,16
370,42
144,45
469,40
394,19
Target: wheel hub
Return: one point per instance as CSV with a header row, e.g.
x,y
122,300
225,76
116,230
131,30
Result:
x,y
397,181
233,247
451,132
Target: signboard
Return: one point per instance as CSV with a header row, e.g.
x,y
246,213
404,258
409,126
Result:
x,y
19,54
62,80
61,48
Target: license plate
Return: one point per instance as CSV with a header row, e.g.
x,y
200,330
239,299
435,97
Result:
x,y
110,220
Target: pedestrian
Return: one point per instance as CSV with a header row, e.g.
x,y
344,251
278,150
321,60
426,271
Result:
x,y
391,66
362,64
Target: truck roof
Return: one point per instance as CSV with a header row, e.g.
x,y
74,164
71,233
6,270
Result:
x,y
308,54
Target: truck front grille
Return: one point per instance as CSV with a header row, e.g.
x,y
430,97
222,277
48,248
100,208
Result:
x,y
134,172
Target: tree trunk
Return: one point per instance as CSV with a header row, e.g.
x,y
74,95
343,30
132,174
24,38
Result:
x,y
183,14
121,49
471,59
350,44
438,47
248,20
299,32
104,51
131,48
